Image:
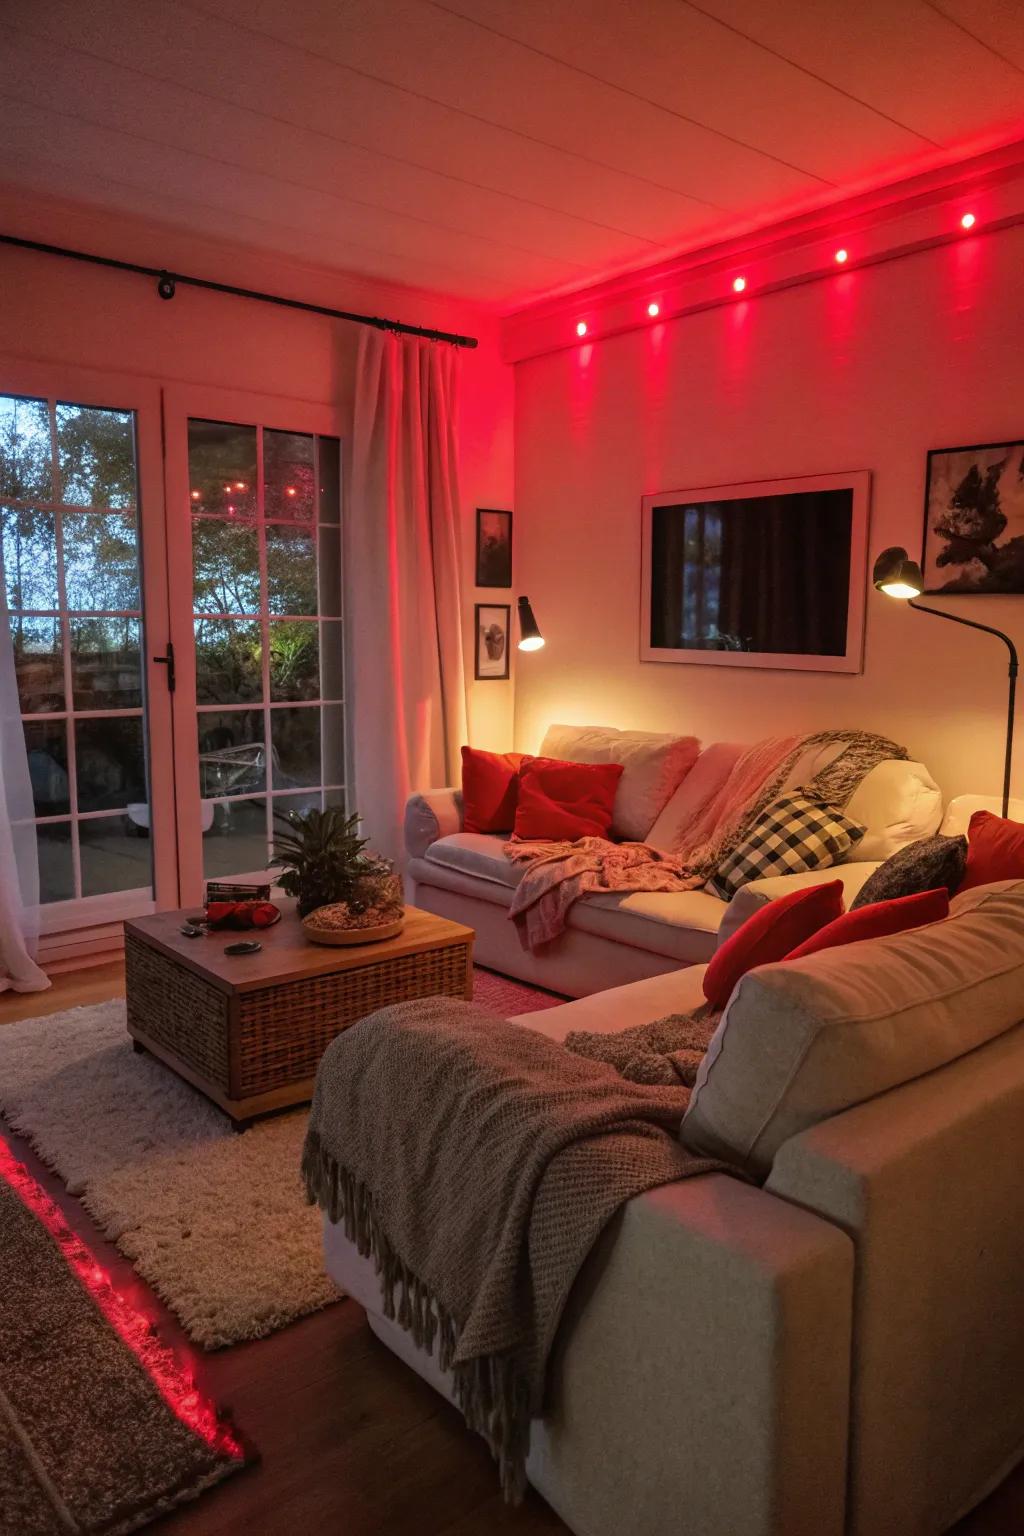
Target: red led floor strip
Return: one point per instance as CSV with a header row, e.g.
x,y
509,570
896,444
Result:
x,y
170,1378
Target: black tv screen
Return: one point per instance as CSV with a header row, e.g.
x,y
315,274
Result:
x,y
768,574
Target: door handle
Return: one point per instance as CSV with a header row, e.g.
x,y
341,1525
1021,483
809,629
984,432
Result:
x,y
168,662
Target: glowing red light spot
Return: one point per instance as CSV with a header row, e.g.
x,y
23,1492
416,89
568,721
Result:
x,y
195,496
654,310
842,255
738,284
290,490
239,485
231,509
581,328
968,221
227,488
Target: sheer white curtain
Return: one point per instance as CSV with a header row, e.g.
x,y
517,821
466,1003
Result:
x,y
407,707
19,867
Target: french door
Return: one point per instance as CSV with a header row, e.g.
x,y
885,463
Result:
x,y
171,564
253,488
83,564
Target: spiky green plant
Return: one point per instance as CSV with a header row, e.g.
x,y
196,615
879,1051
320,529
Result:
x,y
320,854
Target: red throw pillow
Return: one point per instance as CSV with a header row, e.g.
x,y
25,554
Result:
x,y
876,920
995,850
769,934
490,789
565,800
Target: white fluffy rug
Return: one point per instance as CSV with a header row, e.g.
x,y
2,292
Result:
x,y
215,1222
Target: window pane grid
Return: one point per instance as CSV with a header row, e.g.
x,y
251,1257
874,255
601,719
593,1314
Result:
x,y
252,752
89,772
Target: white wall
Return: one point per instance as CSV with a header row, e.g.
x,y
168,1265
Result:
x,y
867,370
59,312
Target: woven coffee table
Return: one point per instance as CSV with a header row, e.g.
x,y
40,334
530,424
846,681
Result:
x,y
249,1030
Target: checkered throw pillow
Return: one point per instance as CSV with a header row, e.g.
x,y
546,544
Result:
x,y
794,834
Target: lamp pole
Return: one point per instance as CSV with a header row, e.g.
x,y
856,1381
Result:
x,y
954,618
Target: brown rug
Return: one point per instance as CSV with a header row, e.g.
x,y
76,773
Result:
x,y
101,1430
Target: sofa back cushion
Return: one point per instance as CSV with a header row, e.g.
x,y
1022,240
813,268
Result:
x,y
899,803
653,766
806,1039
704,780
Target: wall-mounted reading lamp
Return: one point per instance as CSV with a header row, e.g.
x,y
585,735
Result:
x,y
530,637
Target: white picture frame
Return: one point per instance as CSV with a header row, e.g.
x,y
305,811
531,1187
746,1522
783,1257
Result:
x,y
851,660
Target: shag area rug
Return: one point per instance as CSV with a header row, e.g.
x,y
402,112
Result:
x,y
217,1223
100,1429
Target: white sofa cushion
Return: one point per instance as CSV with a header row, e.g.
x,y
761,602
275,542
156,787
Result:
x,y
751,897
639,1002
476,853
806,1039
898,803
704,779
653,766
681,924
959,811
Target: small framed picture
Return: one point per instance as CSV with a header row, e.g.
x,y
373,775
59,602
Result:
x,y
974,519
492,636
493,548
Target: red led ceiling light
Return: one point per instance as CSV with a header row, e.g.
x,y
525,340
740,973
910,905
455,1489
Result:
x,y
581,328
170,1378
654,310
968,221
738,284
842,255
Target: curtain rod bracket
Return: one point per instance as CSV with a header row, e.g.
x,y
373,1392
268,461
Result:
x,y
165,286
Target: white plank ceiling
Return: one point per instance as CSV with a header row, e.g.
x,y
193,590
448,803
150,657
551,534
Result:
x,y
496,149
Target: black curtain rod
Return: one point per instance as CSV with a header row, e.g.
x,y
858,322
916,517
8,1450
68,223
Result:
x,y
166,282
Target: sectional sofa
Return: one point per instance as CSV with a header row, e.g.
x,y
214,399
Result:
x,y
612,940
830,1343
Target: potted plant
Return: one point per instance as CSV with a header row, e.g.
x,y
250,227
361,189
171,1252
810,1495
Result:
x,y
344,895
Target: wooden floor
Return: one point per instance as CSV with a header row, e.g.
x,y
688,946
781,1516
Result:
x,y
351,1441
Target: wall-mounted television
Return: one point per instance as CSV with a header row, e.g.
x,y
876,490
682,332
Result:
x,y
765,574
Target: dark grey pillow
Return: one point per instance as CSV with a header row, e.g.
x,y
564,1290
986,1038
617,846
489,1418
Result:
x,y
922,866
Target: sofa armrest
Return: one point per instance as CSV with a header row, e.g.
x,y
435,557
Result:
x,y
750,897
701,1378
429,815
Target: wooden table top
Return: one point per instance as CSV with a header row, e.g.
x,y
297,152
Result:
x,y
287,955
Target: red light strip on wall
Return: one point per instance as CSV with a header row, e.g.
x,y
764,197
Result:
x,y
171,1379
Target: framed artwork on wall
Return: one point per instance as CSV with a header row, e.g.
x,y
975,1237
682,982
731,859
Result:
x,y
769,573
492,640
974,519
493,548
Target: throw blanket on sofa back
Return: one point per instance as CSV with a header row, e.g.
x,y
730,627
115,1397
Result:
x,y
478,1162
559,874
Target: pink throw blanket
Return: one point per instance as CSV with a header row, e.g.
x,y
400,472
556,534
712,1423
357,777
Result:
x,y
560,873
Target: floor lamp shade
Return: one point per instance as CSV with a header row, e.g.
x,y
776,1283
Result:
x,y
898,576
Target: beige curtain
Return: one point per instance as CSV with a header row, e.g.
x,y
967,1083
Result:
x,y
406,679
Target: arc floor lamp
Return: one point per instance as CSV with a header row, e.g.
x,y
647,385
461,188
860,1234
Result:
x,y
898,576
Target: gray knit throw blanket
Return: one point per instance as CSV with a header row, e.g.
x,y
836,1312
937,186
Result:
x,y
666,1051
477,1162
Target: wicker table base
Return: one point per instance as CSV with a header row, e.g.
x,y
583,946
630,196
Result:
x,y
249,1030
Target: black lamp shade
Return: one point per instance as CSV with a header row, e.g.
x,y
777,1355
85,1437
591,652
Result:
x,y
896,574
530,637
